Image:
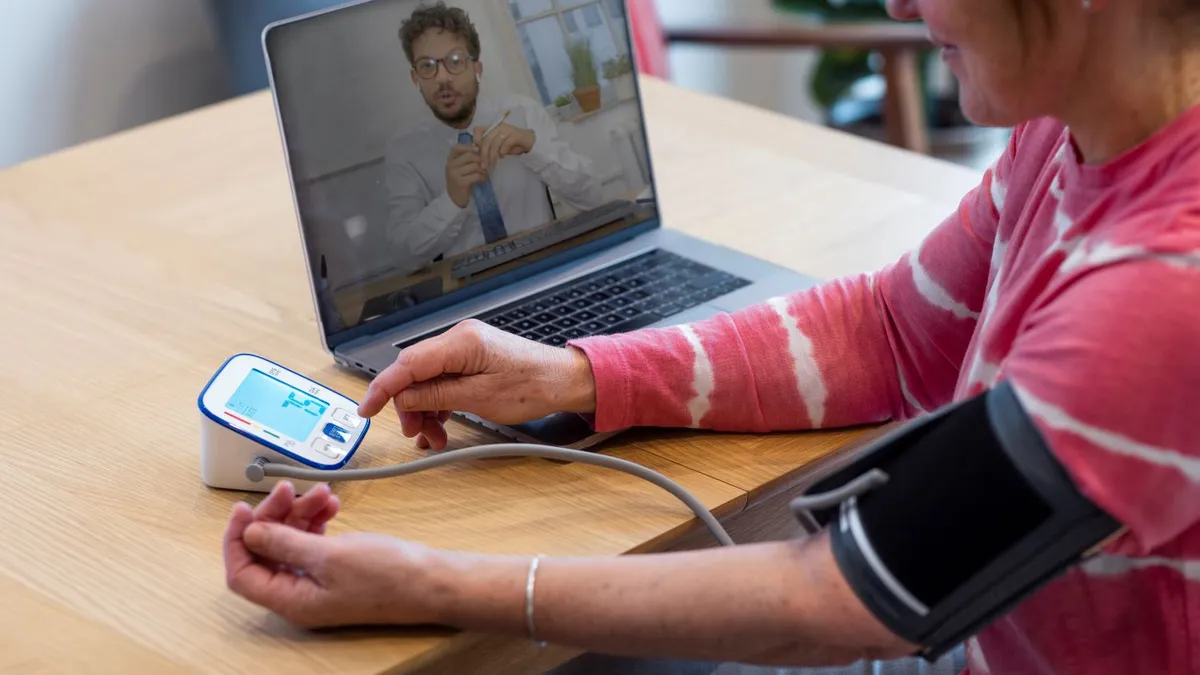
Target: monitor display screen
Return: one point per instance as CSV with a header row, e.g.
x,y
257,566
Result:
x,y
277,405
437,145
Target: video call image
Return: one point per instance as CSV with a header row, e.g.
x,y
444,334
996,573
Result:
x,y
435,145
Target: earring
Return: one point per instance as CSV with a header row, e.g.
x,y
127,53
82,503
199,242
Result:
x,y
479,78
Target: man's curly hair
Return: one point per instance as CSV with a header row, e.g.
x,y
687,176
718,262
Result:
x,y
450,19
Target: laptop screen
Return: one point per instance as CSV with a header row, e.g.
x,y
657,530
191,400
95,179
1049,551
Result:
x,y
438,149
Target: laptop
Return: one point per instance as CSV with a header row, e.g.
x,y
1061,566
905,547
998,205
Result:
x,y
386,109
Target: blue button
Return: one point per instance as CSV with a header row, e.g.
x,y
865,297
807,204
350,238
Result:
x,y
335,432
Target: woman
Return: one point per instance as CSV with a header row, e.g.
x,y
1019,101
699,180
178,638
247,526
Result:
x,y
1072,272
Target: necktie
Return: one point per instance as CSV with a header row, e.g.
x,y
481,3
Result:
x,y
485,203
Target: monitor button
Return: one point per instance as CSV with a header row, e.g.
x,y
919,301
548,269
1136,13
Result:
x,y
327,449
335,432
346,418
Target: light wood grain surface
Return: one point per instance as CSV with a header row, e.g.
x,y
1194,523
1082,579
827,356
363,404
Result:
x,y
132,266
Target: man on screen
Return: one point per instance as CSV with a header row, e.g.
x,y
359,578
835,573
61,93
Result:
x,y
480,172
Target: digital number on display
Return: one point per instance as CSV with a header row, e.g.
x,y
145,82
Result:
x,y
265,399
311,406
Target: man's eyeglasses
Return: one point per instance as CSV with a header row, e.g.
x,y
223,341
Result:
x,y
455,63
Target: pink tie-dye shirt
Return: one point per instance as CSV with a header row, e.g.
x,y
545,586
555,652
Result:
x,y
1077,283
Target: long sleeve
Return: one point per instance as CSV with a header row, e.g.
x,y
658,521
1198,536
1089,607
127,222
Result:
x,y
1109,370
862,349
421,225
568,174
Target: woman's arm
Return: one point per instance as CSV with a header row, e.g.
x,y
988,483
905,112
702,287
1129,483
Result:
x,y
780,603
775,603
855,350
858,350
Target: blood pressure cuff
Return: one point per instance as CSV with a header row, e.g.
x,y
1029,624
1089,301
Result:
x,y
949,522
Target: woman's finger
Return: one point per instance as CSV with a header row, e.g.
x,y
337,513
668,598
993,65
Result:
x,y
237,557
418,363
285,545
281,590
434,433
278,504
441,416
306,508
410,422
322,518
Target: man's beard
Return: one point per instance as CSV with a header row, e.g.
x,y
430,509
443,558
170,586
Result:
x,y
464,113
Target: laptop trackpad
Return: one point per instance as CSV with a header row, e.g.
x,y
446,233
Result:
x,y
698,313
775,286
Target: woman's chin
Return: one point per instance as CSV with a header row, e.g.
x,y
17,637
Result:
x,y
978,110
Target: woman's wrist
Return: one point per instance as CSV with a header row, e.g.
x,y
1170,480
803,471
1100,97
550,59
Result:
x,y
477,592
573,386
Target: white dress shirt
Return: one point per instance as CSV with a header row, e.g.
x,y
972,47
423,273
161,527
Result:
x,y
425,222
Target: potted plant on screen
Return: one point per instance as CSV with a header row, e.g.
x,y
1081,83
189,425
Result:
x,y
583,74
619,71
562,104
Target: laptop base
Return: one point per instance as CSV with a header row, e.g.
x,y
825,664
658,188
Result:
x,y
761,282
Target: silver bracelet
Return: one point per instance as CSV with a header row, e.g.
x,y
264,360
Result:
x,y
529,583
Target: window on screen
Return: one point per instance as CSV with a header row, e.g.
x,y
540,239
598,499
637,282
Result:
x,y
545,24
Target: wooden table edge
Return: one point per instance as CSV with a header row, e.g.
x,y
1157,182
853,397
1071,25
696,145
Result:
x,y
802,474
766,516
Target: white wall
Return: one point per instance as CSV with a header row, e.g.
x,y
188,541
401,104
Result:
x,y
74,70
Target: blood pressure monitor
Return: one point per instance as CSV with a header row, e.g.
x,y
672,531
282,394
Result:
x,y
261,423
254,408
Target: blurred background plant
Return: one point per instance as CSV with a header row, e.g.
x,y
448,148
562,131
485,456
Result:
x,y
848,85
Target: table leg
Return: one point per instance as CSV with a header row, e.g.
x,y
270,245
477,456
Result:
x,y
904,105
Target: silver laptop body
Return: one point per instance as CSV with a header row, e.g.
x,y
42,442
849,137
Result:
x,y
334,85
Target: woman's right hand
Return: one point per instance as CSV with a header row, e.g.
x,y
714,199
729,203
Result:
x,y
482,370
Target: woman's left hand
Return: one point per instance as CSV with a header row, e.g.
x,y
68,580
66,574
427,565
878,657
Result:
x,y
276,556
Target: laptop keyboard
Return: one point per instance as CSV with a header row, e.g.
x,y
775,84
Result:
x,y
617,299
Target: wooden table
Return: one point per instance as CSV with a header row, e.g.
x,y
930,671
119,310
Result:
x,y
130,267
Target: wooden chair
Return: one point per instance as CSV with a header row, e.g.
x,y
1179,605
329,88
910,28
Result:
x,y
898,43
